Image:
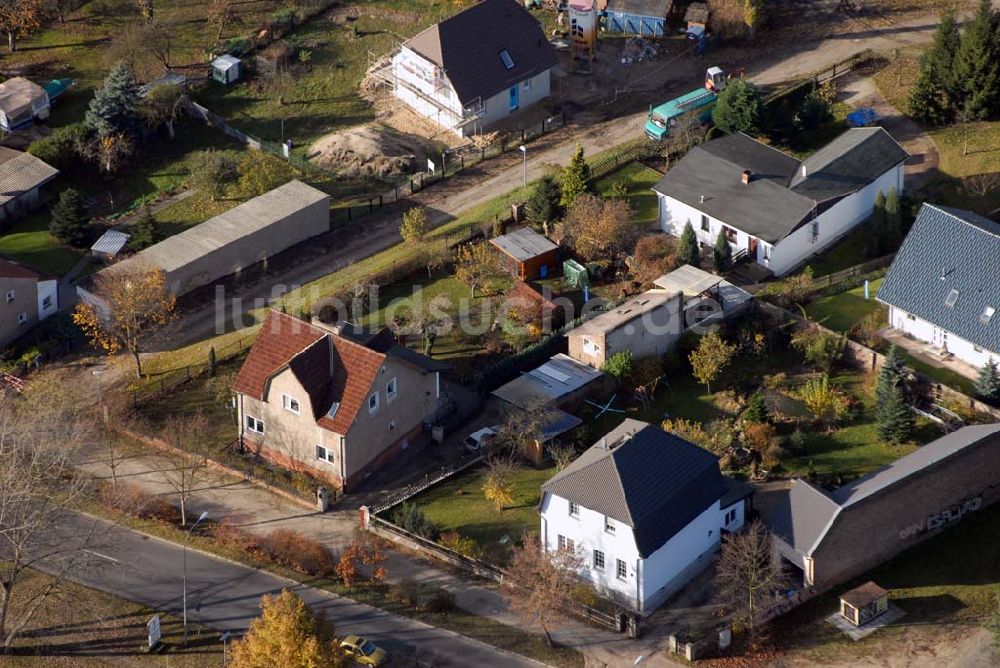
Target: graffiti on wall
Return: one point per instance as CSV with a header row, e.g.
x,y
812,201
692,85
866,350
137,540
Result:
x,y
949,515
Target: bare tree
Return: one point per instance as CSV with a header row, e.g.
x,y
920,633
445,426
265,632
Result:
x,y
222,13
748,577
981,185
523,428
186,472
539,584
39,485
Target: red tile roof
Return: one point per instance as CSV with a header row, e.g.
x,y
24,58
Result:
x,y
281,338
354,373
11,269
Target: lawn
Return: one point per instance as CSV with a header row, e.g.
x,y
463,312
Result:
x,y
640,180
30,243
457,504
846,253
86,627
842,311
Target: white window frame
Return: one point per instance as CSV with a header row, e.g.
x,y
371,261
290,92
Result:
x,y
706,223
566,543
254,424
46,302
598,560
10,296
290,404
392,425
391,389
22,318
574,510
609,525
621,569
373,409
324,454
527,84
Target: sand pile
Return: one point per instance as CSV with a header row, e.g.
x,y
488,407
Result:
x,y
370,150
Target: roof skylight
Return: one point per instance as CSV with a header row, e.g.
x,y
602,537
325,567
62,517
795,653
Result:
x,y
952,297
508,62
987,314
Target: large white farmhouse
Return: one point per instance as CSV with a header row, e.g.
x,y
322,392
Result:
x,y
476,68
943,287
772,207
645,509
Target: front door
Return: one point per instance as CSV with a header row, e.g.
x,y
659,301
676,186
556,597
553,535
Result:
x,y
513,97
752,249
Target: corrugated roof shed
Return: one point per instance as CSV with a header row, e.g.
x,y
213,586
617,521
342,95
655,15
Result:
x,y
655,8
559,376
524,244
111,242
949,250
22,173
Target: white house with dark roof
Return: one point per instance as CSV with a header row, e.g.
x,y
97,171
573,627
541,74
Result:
x,y
943,287
645,510
475,68
772,207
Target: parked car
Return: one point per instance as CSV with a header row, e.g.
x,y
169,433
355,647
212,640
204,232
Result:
x,y
477,439
363,651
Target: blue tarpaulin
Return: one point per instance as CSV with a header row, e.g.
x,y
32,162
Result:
x,y
57,87
862,117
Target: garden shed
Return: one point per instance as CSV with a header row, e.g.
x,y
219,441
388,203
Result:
x,y
110,245
638,17
527,254
227,69
864,603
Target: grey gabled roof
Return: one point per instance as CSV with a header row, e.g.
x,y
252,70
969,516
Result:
x,y
949,249
524,244
645,478
778,199
803,516
21,174
467,47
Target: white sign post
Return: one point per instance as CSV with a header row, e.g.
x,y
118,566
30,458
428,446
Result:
x,y
431,167
153,628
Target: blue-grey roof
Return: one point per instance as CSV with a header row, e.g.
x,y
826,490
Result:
x,y
949,249
645,478
780,196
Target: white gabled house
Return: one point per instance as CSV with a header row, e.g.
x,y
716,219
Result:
x,y
772,207
943,287
475,68
646,511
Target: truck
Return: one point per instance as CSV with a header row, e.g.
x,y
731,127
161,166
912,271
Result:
x,y
663,117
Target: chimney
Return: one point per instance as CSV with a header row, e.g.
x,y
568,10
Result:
x,y
701,199
944,273
746,176
805,171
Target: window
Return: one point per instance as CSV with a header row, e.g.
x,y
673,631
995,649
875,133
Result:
x,y
373,403
22,318
952,297
527,84
508,62
46,303
590,347
290,404
621,570
390,390
324,454
910,316
598,560
392,425
10,296
705,226
567,544
255,425
730,517
987,315
767,253
730,234
574,509
977,349
609,524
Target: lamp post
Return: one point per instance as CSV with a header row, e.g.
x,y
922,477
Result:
x,y
524,150
184,573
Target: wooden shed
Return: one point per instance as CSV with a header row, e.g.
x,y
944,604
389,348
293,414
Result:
x,y
864,603
527,254
638,17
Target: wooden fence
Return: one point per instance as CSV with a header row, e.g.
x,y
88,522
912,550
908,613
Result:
x,y
818,77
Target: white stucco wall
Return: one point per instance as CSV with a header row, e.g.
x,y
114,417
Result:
x,y
737,522
927,332
530,91
48,290
668,569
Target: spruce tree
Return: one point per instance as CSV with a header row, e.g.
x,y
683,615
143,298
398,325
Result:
x,y
932,99
543,205
115,106
895,421
976,71
688,252
575,178
892,374
722,254
880,232
988,383
740,108
69,224
143,230
757,408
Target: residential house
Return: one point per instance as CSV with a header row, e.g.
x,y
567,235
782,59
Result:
x,y
645,509
22,179
527,254
336,403
27,297
647,324
771,207
831,537
233,241
21,102
475,69
943,287
638,17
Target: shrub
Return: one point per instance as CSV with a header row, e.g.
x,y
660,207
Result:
x,y
797,442
231,536
821,349
757,408
137,502
772,454
61,148
305,555
439,600
462,544
757,436
410,517
775,381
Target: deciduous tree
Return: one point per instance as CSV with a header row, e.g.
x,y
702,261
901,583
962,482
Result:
x,y
112,151
575,179
135,303
498,483
70,224
655,255
222,13
748,581
18,18
539,584
823,400
619,365
163,105
184,473
597,227
415,225
212,172
712,355
476,265
287,633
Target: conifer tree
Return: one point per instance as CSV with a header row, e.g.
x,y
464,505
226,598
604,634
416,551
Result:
x,y
895,421
115,106
722,254
543,205
932,99
69,224
688,252
976,70
575,178
143,230
740,108
757,408
892,374
879,224
988,383
893,221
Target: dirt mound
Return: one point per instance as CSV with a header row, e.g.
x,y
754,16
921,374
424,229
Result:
x,y
370,150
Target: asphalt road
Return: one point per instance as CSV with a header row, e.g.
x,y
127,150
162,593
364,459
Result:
x,y
225,596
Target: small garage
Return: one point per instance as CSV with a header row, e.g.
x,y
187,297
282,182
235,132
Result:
x,y
527,254
227,69
638,17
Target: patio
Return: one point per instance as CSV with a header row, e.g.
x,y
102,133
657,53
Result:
x,y
928,354
856,633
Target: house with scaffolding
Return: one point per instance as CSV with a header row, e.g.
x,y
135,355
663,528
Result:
x,y
470,71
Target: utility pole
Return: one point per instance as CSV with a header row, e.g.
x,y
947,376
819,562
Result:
x,y
524,151
184,580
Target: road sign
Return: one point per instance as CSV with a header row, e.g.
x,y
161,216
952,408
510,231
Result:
x,y
153,628
431,167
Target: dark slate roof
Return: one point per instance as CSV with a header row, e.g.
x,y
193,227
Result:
x,y
736,490
467,47
778,198
655,8
803,516
644,477
964,249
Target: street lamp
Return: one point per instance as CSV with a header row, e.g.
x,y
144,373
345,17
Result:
x,y
524,150
184,579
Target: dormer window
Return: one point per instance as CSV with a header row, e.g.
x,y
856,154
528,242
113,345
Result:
x,y
987,314
508,62
952,297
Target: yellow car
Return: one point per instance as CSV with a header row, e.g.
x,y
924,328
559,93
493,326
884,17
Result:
x,y
363,651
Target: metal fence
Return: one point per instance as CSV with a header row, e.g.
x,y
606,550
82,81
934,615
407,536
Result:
x,y
836,70
157,384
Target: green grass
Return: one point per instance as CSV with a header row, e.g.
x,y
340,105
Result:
x,y
842,311
640,181
944,376
457,504
846,253
30,243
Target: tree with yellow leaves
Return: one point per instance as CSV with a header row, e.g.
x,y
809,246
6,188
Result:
x,y
498,488
287,634
134,302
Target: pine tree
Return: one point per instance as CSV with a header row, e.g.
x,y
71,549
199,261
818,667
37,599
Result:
x,y
757,409
879,225
976,71
739,108
69,224
895,421
143,230
543,205
722,254
988,383
688,252
891,374
575,178
115,106
932,99
893,221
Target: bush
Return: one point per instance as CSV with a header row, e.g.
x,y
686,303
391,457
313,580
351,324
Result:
x,y
292,549
61,148
410,517
756,411
137,502
821,349
439,600
464,545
